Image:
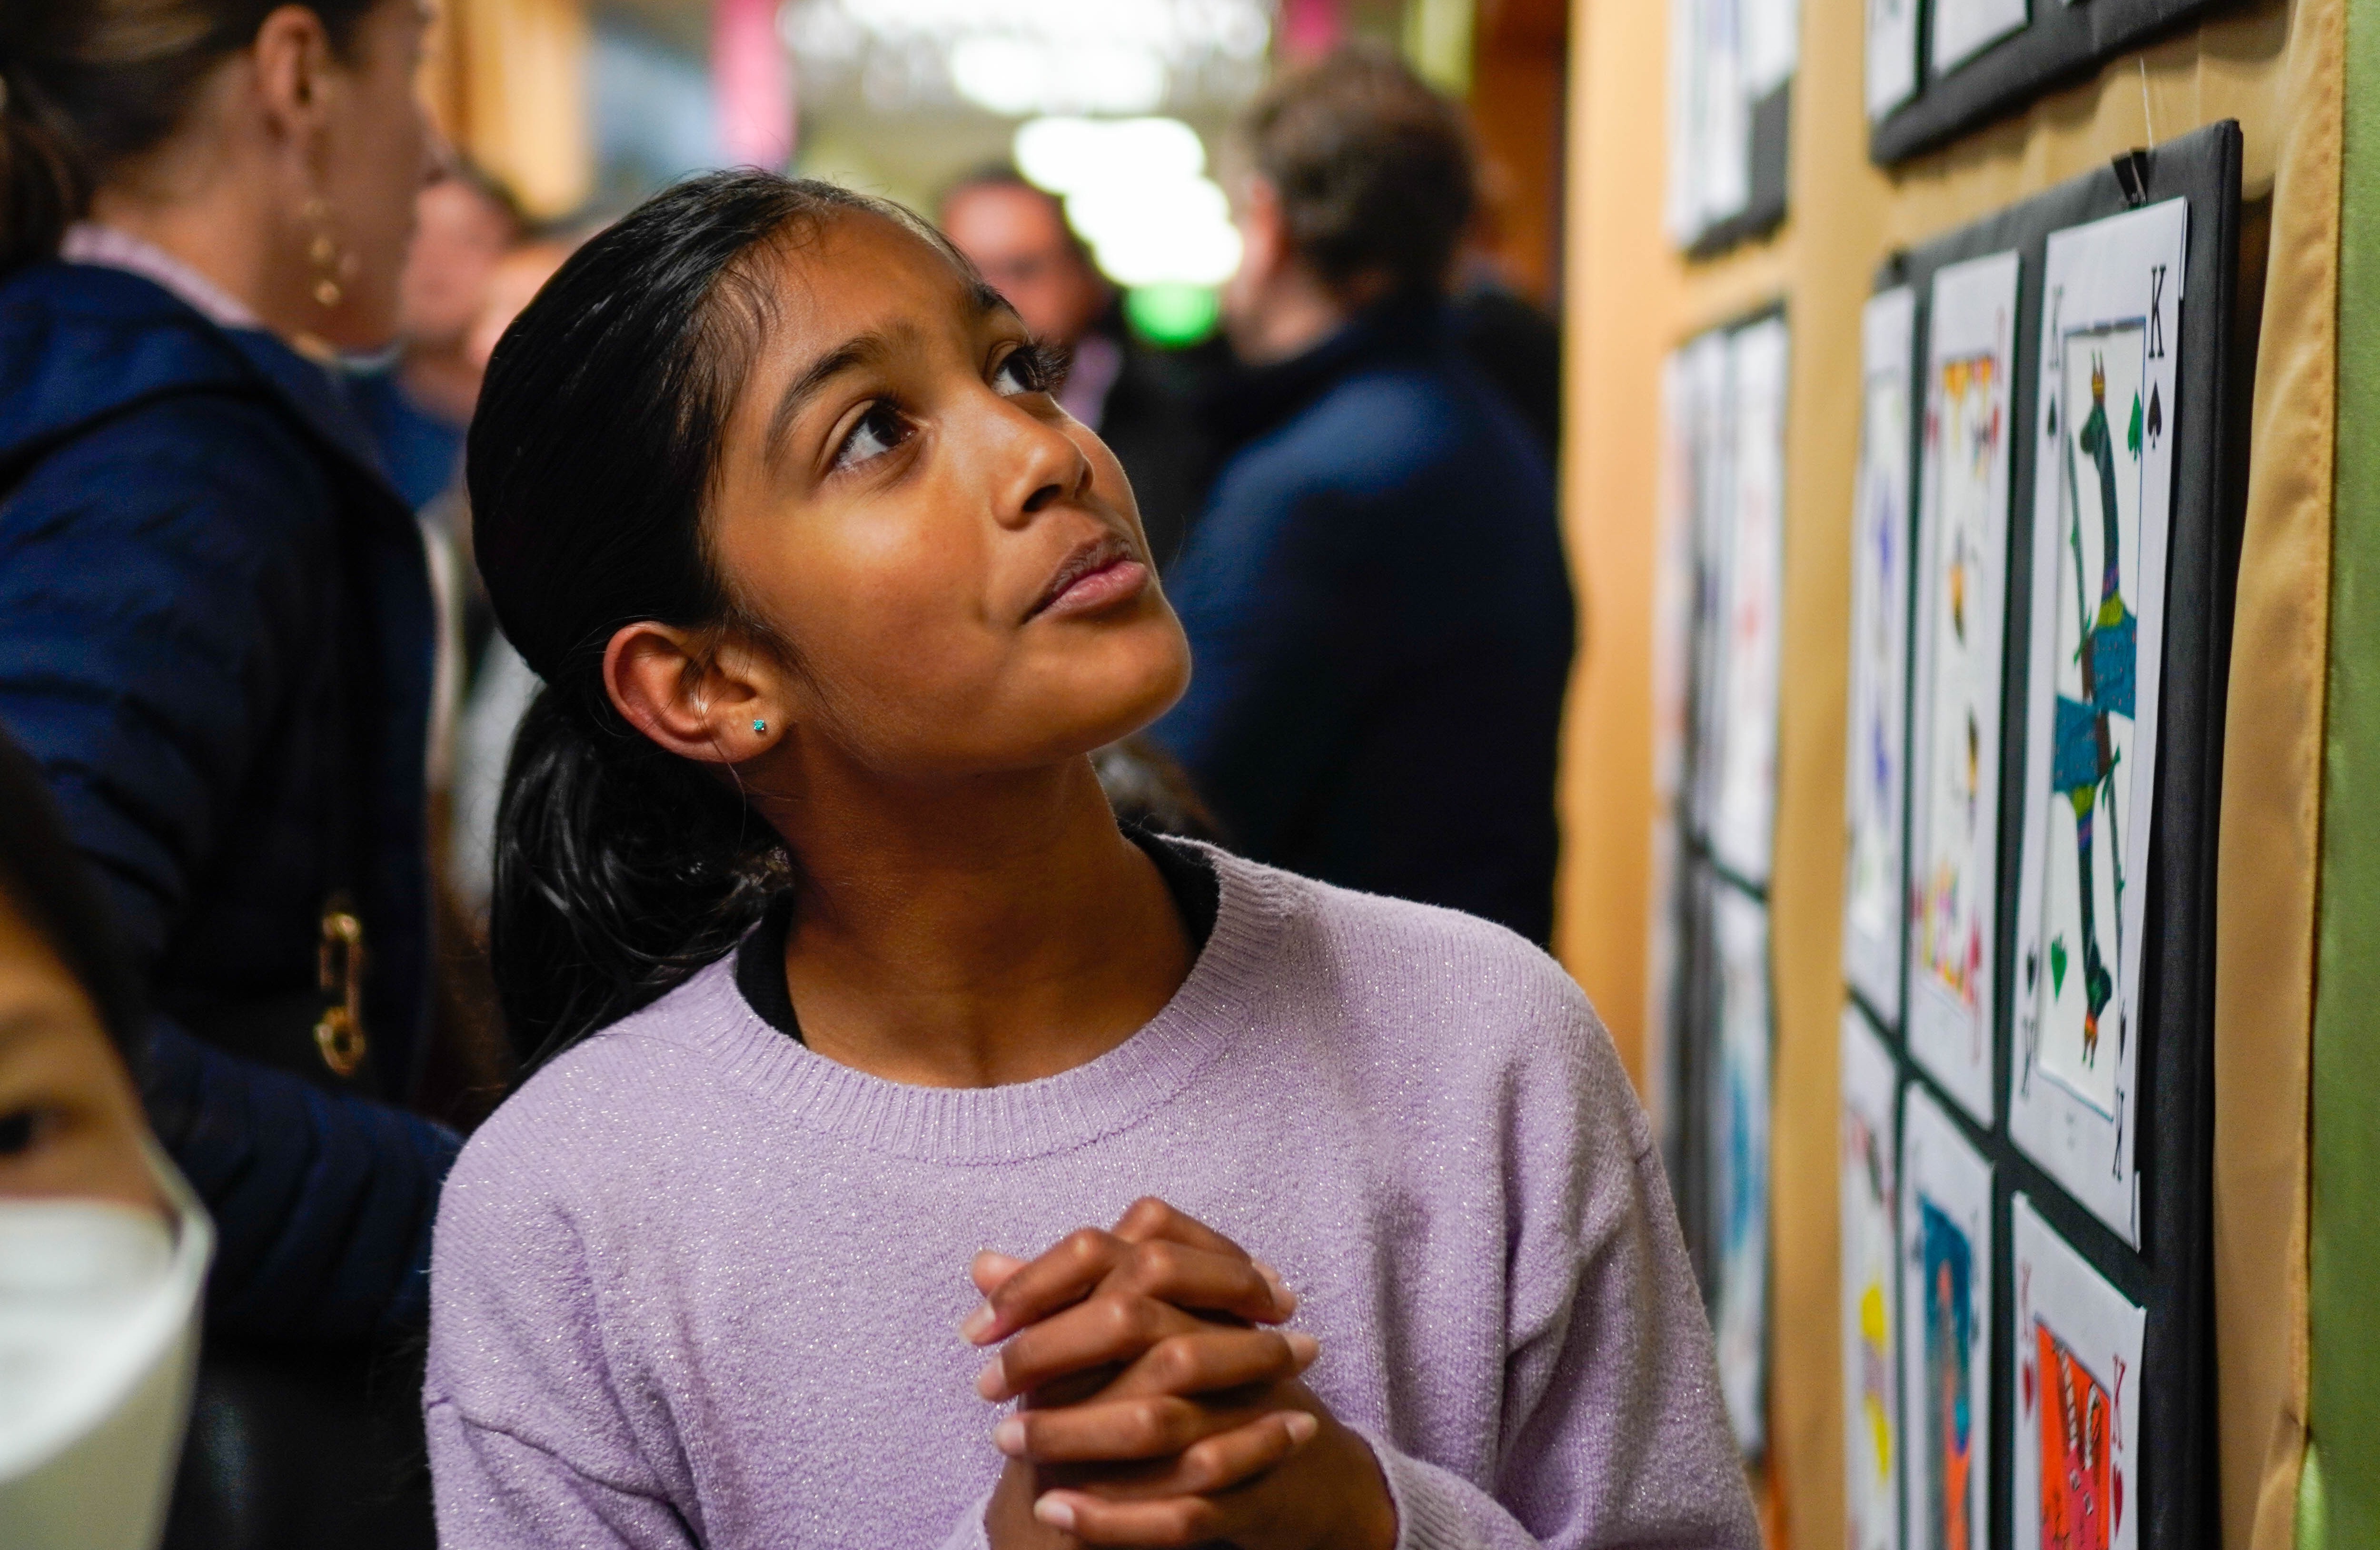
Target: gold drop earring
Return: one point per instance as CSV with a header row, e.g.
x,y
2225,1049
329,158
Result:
x,y
322,252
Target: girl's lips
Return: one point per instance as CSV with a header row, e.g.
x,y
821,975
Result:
x,y
1113,581
1097,574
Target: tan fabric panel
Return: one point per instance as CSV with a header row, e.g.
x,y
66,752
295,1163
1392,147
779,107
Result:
x,y
2272,813
2274,66
506,81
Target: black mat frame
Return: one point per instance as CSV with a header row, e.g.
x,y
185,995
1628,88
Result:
x,y
2059,44
2171,1275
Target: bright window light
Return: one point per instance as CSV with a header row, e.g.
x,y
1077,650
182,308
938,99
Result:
x,y
1136,189
1019,57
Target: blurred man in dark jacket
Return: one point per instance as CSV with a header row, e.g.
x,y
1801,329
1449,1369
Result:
x,y
1379,617
1140,402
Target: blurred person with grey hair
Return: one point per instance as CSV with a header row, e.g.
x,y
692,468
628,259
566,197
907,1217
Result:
x,y
1379,615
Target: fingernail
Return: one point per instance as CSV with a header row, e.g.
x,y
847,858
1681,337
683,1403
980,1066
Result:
x,y
976,1324
992,1381
1057,1513
1009,1436
1303,1346
1283,1299
1302,1427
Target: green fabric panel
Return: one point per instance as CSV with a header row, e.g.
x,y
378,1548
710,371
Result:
x,y
2346,1247
2313,1533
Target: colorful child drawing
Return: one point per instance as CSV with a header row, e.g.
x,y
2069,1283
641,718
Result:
x,y
1966,430
2096,666
1949,1409
2078,1481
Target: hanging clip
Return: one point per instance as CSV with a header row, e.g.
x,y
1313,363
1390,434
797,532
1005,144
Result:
x,y
339,1034
2132,177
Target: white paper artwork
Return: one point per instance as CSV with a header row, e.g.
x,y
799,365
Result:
x,y
1869,1163
1673,625
1739,1132
2102,518
2075,1483
1743,745
1945,1306
1710,134
1892,54
1963,29
1876,774
1955,755
1710,367
1771,45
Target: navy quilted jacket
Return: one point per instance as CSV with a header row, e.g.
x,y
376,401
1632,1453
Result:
x,y
215,638
1381,625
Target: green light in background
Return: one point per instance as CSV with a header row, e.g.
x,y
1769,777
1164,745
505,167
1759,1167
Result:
x,y
1171,316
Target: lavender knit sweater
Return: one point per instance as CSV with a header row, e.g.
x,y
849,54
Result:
x,y
696,1285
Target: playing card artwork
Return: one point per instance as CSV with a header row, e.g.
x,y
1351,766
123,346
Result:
x,y
1892,54
1739,1132
1869,1162
1945,1249
2101,503
1962,579
2073,1481
1743,740
1963,29
1875,773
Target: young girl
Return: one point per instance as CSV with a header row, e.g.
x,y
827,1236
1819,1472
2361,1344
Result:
x,y
855,1006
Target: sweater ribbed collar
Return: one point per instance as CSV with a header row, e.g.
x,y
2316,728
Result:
x,y
1219,1002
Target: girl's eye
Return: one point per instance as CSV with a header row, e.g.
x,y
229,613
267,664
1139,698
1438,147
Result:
x,y
879,432
1028,369
19,1130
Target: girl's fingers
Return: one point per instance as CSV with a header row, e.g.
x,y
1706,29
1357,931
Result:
x,y
991,1269
1149,1218
1150,1412
1181,1506
1104,1332
1210,1361
1089,1261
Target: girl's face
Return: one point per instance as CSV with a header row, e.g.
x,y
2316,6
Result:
x,y
955,565
71,1126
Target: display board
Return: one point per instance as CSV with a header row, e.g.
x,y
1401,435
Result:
x,y
1720,591
1937,70
1731,66
2068,651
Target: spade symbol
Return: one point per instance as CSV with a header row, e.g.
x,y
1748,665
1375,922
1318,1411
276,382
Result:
x,y
2032,969
2052,419
2157,415
2058,966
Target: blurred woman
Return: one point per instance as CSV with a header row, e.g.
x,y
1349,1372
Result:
x,y
103,1249
215,632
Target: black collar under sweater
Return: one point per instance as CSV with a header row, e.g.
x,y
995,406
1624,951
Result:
x,y
760,960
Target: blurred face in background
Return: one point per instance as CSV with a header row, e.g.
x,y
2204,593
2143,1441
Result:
x,y
1017,237
461,237
374,155
511,286
71,1126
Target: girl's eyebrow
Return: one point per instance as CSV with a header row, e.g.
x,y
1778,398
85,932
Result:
x,y
863,349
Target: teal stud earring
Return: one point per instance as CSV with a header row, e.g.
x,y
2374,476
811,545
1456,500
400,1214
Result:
x,y
759,725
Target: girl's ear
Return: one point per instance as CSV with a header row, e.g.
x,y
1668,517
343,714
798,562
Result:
x,y
717,705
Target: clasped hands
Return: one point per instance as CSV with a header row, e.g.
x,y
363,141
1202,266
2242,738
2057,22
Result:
x,y
1160,1403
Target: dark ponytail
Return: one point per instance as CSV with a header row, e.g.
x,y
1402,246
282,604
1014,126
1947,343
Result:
x,y
86,83
621,869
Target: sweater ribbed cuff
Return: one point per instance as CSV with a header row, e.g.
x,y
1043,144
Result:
x,y
1429,1516
971,1534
